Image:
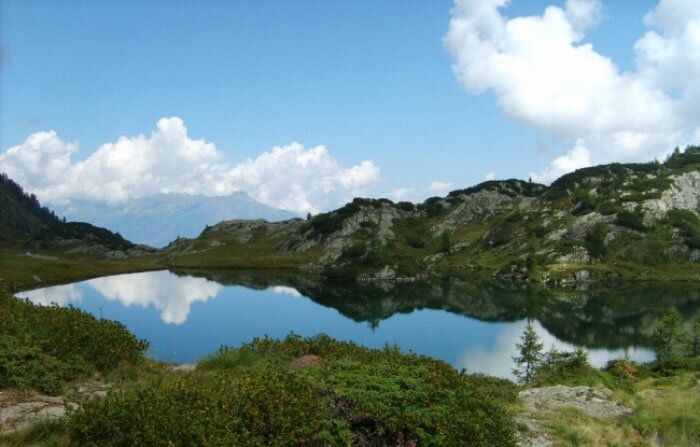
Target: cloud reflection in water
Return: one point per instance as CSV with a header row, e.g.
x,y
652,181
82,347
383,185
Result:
x,y
60,295
172,298
498,360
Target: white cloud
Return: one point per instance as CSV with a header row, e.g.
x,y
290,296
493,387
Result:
x,y
289,177
583,14
490,176
544,75
436,188
439,188
402,194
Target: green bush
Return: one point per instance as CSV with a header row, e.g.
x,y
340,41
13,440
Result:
x,y
355,396
569,368
595,241
631,219
355,251
267,406
608,207
406,206
43,346
415,240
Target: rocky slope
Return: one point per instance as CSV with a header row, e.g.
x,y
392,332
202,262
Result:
x,y
609,221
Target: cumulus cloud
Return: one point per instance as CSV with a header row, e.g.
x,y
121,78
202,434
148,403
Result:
x,y
543,74
402,194
290,177
490,176
439,188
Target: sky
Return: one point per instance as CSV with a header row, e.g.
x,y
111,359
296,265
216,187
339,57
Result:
x,y
305,104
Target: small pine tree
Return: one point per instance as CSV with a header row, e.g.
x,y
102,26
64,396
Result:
x,y
530,358
669,337
445,243
694,339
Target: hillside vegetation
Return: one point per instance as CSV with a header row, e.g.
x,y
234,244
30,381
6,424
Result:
x,y
21,214
611,221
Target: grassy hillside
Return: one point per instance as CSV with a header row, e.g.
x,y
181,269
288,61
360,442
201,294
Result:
x,y
638,221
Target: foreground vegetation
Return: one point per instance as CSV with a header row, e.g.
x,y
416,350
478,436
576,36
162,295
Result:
x,y
346,395
43,348
320,391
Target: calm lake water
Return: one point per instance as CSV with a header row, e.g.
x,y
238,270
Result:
x,y
471,324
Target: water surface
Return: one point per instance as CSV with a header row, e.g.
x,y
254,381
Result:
x,y
472,324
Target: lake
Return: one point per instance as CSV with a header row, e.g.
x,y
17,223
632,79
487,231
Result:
x,y
472,324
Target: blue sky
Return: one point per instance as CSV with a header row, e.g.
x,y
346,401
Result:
x,y
367,80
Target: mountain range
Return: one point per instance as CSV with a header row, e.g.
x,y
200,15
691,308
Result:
x,y
159,219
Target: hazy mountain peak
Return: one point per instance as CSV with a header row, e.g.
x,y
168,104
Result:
x,y
158,219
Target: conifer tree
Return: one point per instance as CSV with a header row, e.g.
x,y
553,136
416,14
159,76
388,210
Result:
x,y
669,336
530,358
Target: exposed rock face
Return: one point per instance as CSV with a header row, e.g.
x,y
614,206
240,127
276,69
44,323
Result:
x,y
18,416
382,217
590,401
243,231
683,194
472,206
578,256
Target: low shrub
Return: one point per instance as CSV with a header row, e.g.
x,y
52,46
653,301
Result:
x,y
355,396
43,346
631,219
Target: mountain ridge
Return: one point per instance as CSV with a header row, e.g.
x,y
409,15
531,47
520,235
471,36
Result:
x,y
637,220
159,219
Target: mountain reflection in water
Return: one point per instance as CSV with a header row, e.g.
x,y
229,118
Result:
x,y
471,323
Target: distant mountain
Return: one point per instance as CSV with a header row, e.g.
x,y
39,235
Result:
x,y
159,219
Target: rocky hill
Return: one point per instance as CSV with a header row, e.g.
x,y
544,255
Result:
x,y
609,221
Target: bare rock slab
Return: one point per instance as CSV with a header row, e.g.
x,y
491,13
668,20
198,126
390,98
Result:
x,y
590,401
21,415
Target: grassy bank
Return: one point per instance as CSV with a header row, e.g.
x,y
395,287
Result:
x,y
19,271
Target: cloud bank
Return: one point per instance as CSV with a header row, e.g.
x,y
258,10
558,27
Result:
x,y
289,177
544,75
